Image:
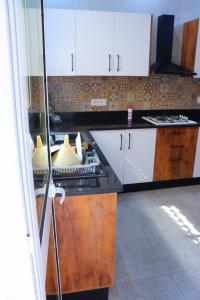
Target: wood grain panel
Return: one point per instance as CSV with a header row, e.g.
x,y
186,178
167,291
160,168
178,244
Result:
x,y
190,33
39,208
86,241
51,274
175,153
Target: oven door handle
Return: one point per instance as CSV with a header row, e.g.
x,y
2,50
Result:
x,y
129,141
121,141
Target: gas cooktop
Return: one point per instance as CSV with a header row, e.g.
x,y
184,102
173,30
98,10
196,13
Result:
x,y
169,120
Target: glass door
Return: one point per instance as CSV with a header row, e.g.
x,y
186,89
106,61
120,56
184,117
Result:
x,y
36,104
37,107
30,112
52,284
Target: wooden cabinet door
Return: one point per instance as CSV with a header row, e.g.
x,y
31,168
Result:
x,y
86,241
132,44
52,284
196,172
175,153
94,43
112,144
60,42
191,46
139,155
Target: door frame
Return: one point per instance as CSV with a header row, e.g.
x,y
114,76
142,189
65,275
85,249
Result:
x,y
22,272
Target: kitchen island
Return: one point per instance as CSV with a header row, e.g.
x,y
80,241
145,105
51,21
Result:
x,y
85,230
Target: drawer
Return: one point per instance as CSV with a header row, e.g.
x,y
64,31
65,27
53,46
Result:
x,y
177,136
175,153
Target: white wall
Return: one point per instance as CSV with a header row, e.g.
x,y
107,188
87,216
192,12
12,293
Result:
x,y
183,8
189,8
156,6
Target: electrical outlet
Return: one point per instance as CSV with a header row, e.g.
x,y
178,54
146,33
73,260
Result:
x,y
198,100
98,102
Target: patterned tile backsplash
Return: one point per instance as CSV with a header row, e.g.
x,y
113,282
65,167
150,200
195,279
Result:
x,y
153,92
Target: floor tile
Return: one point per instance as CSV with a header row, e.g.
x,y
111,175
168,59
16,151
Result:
x,y
188,284
158,288
121,271
158,245
127,291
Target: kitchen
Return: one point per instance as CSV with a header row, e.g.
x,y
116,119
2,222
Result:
x,y
112,158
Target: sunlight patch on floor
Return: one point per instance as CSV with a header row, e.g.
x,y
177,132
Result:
x,y
183,222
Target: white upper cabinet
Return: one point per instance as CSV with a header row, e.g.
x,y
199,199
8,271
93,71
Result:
x,y
94,43
33,30
60,42
132,44
139,155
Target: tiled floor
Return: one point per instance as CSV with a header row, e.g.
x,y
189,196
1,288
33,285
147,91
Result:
x,y
158,245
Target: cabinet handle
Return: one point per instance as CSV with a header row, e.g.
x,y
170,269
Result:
x,y
109,65
129,141
177,132
175,159
120,142
177,146
72,57
117,62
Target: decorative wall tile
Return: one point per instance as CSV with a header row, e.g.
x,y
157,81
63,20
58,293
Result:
x,y
153,92
36,94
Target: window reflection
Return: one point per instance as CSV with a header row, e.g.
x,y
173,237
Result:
x,y
36,101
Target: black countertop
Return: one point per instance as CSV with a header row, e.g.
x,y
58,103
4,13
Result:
x,y
86,121
116,120
92,185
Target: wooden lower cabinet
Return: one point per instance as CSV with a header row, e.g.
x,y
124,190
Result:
x,y
175,153
86,228
51,274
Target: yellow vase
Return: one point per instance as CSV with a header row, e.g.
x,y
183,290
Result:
x,y
66,156
40,156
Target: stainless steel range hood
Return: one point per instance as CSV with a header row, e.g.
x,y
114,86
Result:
x,y
164,64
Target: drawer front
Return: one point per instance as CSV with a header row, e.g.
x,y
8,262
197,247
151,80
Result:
x,y
175,153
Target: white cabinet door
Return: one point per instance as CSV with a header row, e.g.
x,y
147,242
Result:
x,y
60,42
94,43
196,172
139,155
112,144
132,44
34,37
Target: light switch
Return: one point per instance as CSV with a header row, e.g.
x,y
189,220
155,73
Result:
x,y
99,102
